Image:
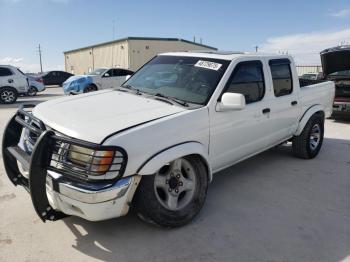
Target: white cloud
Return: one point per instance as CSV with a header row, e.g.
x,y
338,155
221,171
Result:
x,y
306,47
341,13
28,67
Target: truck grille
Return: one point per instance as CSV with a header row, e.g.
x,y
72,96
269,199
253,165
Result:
x,y
61,149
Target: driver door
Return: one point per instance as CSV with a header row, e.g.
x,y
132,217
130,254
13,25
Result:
x,y
237,134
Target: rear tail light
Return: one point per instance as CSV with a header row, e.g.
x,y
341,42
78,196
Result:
x,y
40,80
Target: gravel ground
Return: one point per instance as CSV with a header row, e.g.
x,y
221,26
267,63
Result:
x,y
272,207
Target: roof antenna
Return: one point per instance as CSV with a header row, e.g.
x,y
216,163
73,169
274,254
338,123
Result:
x,y
194,39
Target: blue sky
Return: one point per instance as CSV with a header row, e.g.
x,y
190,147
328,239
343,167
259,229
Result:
x,y
303,28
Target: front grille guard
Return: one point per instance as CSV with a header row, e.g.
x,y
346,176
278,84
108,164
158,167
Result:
x,y
46,156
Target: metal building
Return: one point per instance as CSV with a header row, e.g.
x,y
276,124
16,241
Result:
x,y
130,52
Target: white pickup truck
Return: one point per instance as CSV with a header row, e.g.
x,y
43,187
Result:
x,y
154,143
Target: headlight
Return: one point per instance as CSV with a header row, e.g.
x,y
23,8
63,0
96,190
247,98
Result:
x,y
95,161
106,163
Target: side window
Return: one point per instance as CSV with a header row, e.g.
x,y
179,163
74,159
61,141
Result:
x,y
109,73
248,80
281,76
5,71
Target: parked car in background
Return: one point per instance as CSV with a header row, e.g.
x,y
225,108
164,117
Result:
x,y
36,84
155,142
336,64
312,76
13,82
55,77
100,78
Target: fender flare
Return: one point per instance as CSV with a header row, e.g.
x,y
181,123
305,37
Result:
x,y
307,115
156,161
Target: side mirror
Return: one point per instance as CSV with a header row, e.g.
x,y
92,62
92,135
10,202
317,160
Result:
x,y
127,77
106,75
231,101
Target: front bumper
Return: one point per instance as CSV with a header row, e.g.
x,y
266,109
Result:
x,y
56,194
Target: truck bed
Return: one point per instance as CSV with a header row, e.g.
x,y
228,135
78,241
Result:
x,y
321,93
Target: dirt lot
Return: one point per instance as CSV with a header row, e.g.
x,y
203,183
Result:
x,y
273,207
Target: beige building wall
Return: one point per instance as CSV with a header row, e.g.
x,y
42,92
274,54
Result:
x,y
128,53
143,50
111,55
79,62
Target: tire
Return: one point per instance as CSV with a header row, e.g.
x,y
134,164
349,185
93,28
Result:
x,y
32,91
308,144
153,199
8,95
90,88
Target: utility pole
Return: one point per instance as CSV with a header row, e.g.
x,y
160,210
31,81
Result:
x,y
256,48
41,64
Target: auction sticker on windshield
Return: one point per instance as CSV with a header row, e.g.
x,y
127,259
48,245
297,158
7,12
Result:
x,y
208,65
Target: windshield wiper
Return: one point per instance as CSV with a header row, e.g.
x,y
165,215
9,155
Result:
x,y
130,87
178,101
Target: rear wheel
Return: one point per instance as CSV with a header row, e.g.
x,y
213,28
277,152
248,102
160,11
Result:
x,y
8,95
175,194
90,88
309,142
32,91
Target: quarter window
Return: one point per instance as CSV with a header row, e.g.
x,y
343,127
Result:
x,y
248,80
5,71
281,76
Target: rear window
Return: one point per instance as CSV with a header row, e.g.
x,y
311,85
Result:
x,y
281,76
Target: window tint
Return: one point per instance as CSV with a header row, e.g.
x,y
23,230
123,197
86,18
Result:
x,y
248,80
110,72
5,71
124,72
282,77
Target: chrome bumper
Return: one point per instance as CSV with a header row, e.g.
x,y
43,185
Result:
x,y
95,203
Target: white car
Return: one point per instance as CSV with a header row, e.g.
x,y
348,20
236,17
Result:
x,y
155,142
13,82
98,79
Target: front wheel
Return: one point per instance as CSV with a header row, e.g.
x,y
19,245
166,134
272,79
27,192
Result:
x,y
8,95
309,142
90,88
175,194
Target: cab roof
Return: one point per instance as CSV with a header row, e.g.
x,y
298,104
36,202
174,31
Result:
x,y
226,55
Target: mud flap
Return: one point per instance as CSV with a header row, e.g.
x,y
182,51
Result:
x,y
39,162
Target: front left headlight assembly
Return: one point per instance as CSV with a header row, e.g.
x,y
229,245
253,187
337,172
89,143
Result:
x,y
92,164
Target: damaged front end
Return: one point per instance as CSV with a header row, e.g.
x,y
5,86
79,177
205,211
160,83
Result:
x,y
65,176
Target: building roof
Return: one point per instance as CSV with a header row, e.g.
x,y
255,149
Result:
x,y
141,38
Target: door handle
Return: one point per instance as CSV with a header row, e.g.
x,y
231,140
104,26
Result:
x,y
266,110
10,81
293,103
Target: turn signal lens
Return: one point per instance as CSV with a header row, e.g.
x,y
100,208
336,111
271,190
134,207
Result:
x,y
102,161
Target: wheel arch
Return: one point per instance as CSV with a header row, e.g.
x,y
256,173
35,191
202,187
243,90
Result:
x,y
315,109
11,87
156,161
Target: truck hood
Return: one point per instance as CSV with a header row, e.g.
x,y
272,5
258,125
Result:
x,y
335,59
94,116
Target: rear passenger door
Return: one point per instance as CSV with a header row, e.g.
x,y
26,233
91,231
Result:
x,y
284,105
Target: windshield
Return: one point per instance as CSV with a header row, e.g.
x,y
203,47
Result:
x,y
97,72
190,79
